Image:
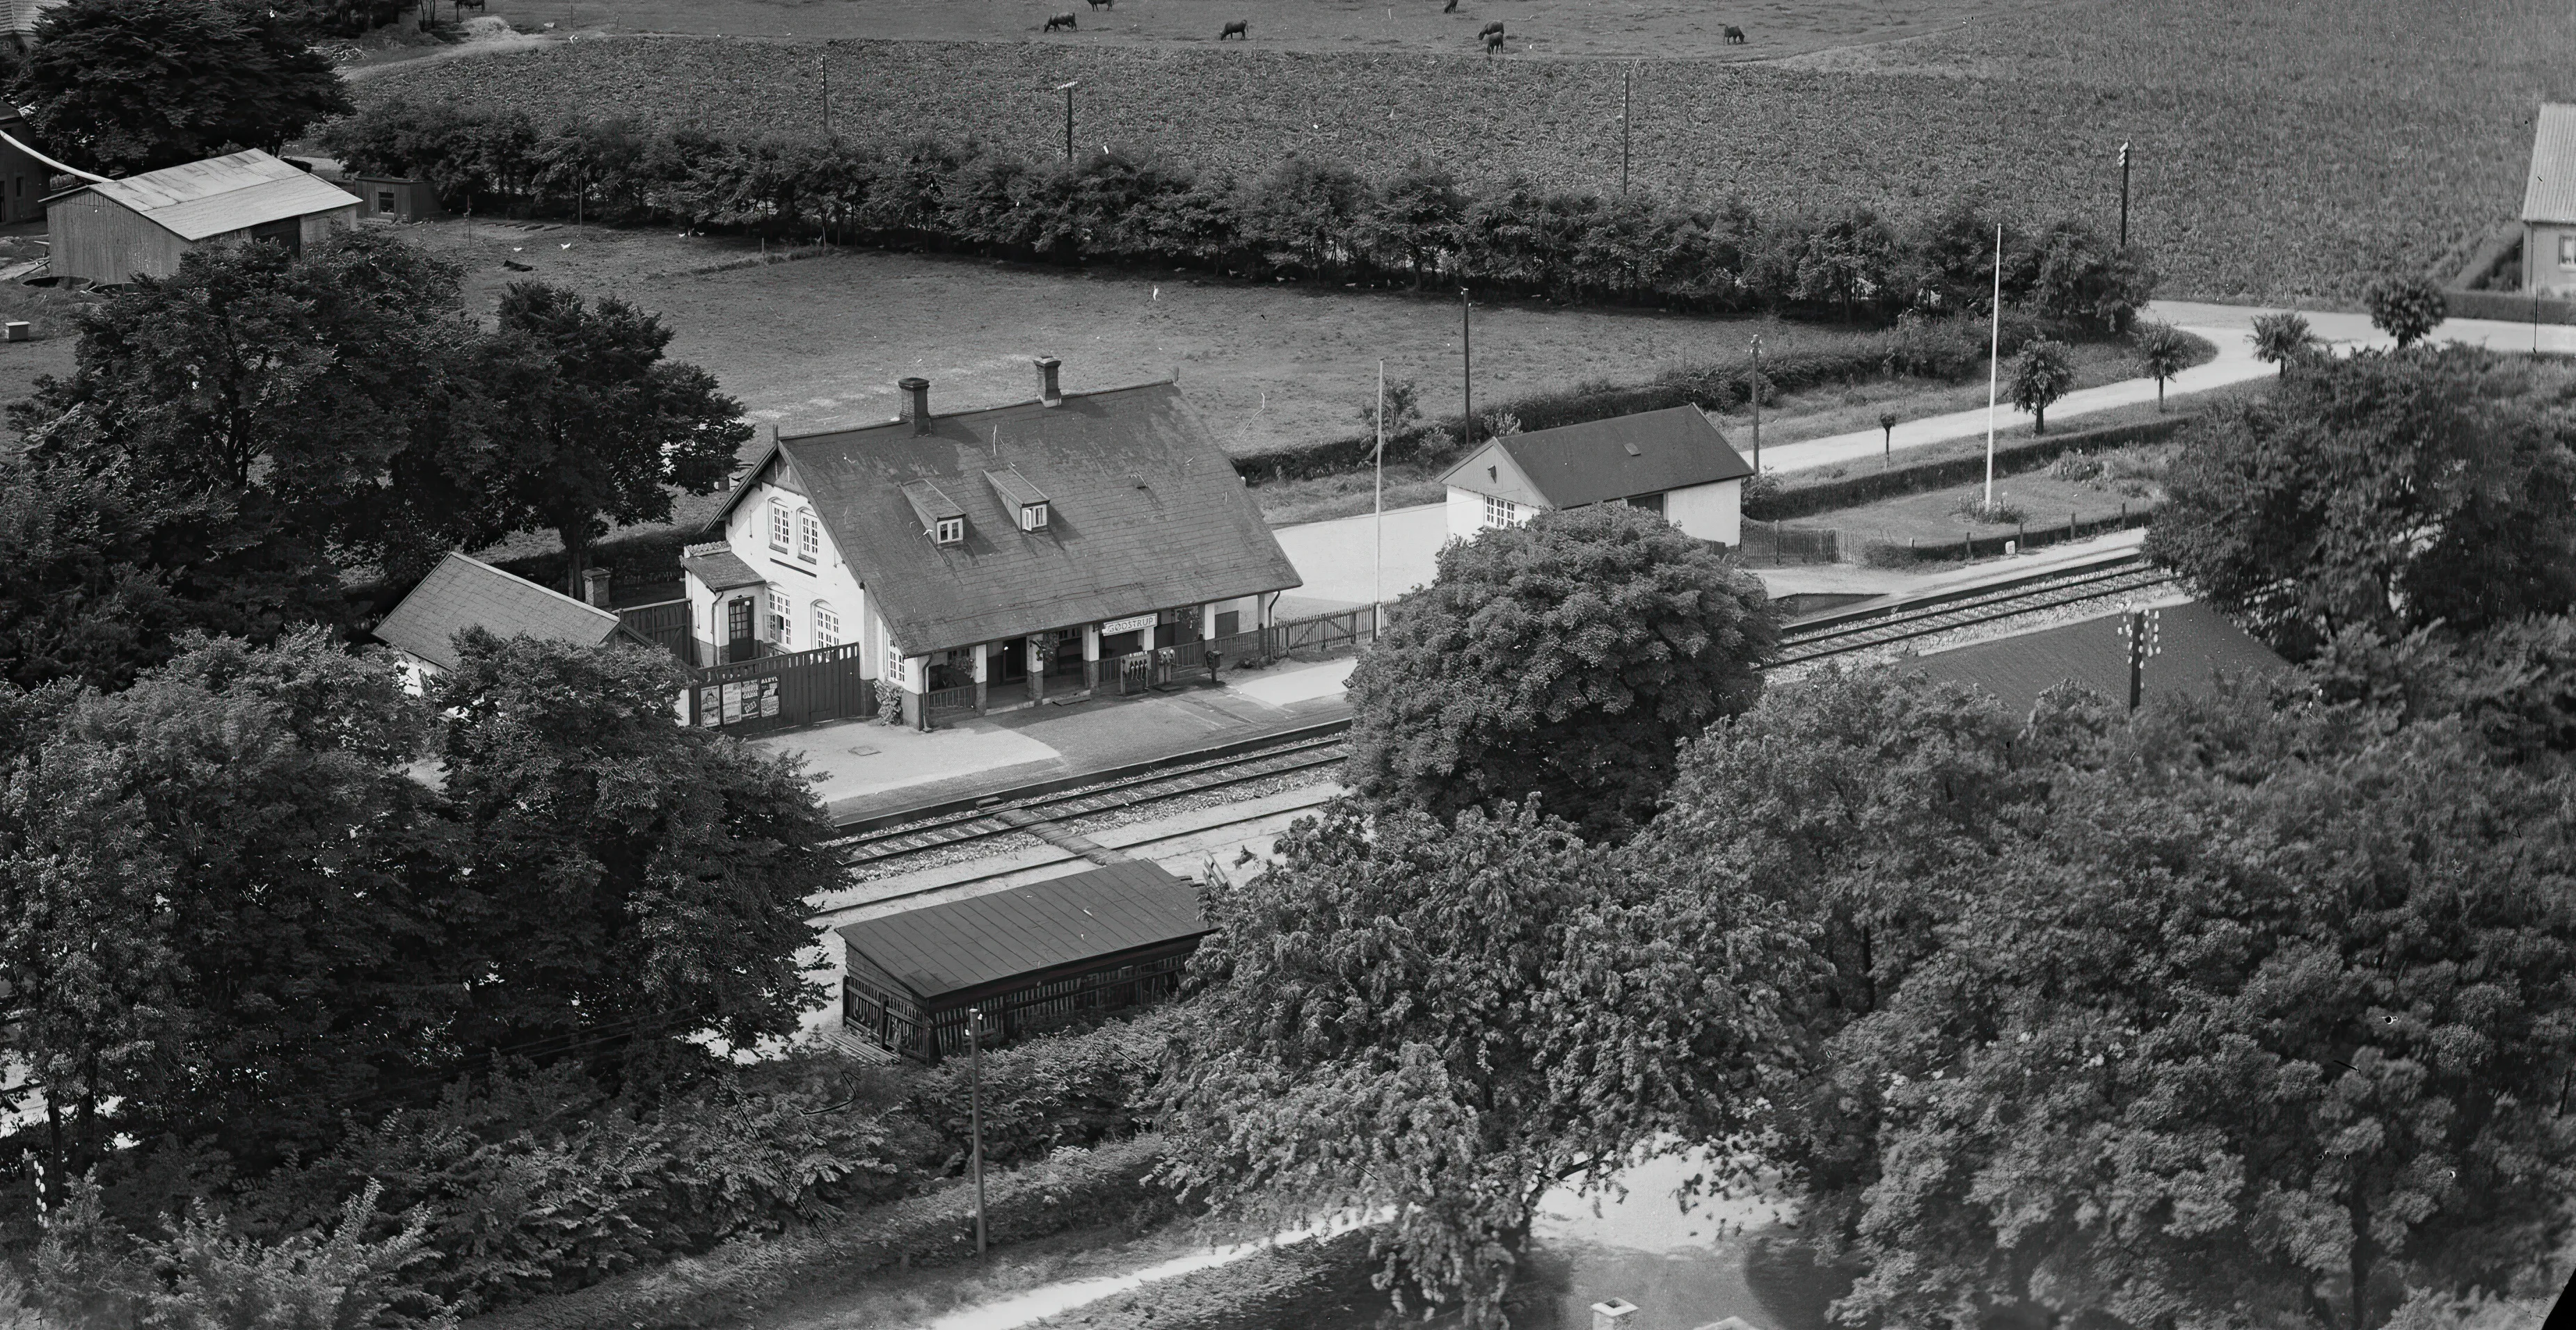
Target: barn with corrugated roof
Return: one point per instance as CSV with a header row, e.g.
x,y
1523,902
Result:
x,y
109,232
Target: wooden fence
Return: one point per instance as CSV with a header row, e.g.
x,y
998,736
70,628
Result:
x,y
778,692
1770,544
665,624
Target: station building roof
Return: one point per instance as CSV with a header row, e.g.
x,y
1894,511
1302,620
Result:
x,y
943,949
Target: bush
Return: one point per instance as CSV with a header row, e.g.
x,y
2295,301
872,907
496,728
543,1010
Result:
x,y
1045,1094
1887,554
2076,467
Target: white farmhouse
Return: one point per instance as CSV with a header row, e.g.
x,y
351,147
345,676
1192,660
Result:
x,y
1674,463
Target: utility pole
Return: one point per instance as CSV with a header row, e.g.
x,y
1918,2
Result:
x,y
1467,361
1627,83
1757,404
2140,629
975,1111
1067,90
1377,559
2124,196
1994,364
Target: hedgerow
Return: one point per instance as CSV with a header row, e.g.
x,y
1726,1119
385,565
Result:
x,y
1305,219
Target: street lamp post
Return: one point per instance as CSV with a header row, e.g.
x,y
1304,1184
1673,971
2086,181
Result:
x,y
1067,90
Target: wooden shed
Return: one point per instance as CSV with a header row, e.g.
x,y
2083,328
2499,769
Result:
x,y
1030,958
111,231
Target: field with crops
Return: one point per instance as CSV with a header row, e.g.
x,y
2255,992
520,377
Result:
x,y
2287,151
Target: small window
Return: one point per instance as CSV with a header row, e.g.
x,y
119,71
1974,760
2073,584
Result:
x,y
1501,512
778,526
827,626
384,201
1033,517
778,629
952,531
809,537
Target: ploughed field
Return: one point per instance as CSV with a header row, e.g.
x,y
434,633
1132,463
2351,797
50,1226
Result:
x,y
2288,151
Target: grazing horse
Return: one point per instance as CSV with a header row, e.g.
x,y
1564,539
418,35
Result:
x,y
1734,35
1490,31
1239,28
1493,43
1063,21
1104,4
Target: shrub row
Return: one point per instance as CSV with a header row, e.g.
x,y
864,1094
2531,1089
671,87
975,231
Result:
x,y
1813,492
1887,554
1071,1189
1306,219
1926,348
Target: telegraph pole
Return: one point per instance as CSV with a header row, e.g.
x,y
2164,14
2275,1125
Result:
x,y
1994,364
1757,404
1067,90
1467,361
2124,196
1627,84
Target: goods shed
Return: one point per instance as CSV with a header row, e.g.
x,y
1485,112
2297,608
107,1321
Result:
x,y
1030,958
110,231
2195,644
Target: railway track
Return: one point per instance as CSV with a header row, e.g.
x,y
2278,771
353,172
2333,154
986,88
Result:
x,y
1844,633
1043,812
1054,815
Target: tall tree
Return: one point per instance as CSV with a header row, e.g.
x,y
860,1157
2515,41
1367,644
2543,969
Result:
x,y
604,428
1569,656
633,882
79,598
2379,492
1450,1020
2040,375
122,86
2267,1021
213,888
269,419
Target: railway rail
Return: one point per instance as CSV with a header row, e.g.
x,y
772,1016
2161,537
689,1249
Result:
x,y
1052,812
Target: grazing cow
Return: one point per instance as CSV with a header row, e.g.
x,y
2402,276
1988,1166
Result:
x,y
1104,4
1490,31
1239,28
1734,35
1063,21
1493,43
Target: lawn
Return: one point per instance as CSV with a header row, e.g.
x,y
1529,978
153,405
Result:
x,y
2077,488
2283,152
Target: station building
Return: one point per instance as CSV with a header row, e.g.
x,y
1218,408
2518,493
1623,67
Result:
x,y
992,559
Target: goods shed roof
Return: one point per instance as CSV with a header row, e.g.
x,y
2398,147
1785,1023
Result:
x,y
2196,643
462,593
1047,925
1572,465
196,200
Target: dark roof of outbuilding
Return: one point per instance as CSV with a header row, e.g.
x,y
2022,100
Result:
x,y
965,944
1146,513
1645,453
462,593
720,570
2195,643
2549,192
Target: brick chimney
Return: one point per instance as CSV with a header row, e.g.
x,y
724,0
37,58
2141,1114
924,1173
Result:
x,y
594,586
1050,389
916,403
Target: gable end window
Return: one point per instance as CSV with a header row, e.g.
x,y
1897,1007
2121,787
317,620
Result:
x,y
809,537
1501,512
778,526
951,531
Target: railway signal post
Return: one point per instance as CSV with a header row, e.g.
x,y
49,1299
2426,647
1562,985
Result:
x,y
1067,90
2139,629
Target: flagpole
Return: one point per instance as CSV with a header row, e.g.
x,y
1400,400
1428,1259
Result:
x,y
1994,364
1377,560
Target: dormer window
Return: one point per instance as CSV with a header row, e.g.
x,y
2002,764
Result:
x,y
941,519
1023,500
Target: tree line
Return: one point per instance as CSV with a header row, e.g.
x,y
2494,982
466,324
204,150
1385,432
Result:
x,y
238,442
1305,219
2251,1005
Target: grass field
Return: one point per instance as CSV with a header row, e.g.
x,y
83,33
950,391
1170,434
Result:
x,y
2287,151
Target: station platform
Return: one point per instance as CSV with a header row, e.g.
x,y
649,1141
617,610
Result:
x,y
866,768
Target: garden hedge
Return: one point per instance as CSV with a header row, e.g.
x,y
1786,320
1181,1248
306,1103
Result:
x,y
1073,1189
1806,497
